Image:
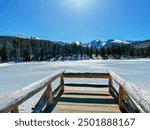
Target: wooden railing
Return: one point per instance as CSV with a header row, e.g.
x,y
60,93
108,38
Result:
x,y
88,75
128,98
11,102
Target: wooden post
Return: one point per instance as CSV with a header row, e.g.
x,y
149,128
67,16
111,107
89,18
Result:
x,y
49,94
62,83
110,85
121,97
15,110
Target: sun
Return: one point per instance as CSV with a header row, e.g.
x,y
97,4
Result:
x,y
79,4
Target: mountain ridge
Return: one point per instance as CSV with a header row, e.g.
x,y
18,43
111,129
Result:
x,y
94,43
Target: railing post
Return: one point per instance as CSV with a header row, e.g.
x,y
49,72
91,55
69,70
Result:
x,y
15,110
121,97
110,85
62,83
49,94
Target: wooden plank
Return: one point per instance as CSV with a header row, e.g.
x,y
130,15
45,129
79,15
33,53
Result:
x,y
86,85
88,108
41,106
15,99
130,89
86,75
45,95
115,93
127,107
56,91
85,101
131,103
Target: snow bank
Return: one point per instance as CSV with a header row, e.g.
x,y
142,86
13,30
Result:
x,y
5,64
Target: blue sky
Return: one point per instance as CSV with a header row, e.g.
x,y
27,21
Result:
x,y
70,20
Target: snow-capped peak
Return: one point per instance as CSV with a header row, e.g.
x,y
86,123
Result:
x,y
97,40
21,36
120,41
25,37
78,42
103,44
94,44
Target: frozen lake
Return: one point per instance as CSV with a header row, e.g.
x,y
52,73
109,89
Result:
x,y
14,76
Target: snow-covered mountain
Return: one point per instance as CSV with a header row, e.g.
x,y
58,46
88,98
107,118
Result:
x,y
109,43
78,43
142,44
21,36
25,37
94,44
99,43
112,42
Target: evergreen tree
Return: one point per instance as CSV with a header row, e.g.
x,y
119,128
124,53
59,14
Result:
x,y
5,52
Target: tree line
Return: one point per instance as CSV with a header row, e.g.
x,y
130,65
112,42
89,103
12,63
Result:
x,y
124,52
40,50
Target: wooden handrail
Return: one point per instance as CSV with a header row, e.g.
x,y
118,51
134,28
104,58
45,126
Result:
x,y
129,88
86,85
10,103
87,75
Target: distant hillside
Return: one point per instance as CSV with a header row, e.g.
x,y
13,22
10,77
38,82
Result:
x,y
6,39
10,39
142,44
21,48
93,44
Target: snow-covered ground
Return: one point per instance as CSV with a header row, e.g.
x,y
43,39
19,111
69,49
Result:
x,y
14,76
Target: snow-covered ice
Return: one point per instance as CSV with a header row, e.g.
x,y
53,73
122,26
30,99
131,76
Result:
x,y
5,64
14,76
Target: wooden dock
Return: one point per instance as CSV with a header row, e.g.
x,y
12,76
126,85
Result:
x,y
62,100
81,101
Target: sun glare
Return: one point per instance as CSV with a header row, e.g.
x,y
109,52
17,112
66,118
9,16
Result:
x,y
79,4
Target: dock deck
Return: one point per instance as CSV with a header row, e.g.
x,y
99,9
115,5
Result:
x,y
81,101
